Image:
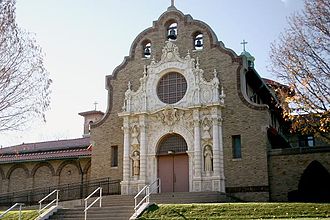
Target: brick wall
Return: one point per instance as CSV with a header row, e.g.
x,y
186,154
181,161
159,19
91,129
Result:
x,y
287,166
30,175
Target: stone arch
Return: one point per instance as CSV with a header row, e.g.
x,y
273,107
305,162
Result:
x,y
69,171
18,176
41,164
16,166
165,143
43,175
314,183
163,131
66,162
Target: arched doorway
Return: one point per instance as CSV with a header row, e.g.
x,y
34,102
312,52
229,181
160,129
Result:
x,y
314,183
173,164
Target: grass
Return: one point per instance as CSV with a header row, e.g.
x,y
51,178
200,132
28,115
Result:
x,y
26,215
238,211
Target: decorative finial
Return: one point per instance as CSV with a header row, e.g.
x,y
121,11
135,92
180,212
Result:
x,y
95,103
145,70
197,63
215,73
244,43
172,3
129,85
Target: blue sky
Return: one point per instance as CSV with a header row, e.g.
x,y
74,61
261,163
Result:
x,y
85,40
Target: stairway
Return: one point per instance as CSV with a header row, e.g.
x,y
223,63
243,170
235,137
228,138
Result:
x,y
114,207
118,207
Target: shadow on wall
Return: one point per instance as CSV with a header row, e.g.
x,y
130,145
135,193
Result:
x,y
314,185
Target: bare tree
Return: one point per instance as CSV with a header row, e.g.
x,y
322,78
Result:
x,y
24,81
301,59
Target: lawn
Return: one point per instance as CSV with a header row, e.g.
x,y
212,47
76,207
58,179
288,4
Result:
x,y
238,211
26,215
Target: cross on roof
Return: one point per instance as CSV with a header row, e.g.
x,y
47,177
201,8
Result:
x,y
95,103
244,43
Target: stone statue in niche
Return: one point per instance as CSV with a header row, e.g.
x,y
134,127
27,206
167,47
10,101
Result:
x,y
135,133
127,101
136,162
215,86
208,157
215,79
206,129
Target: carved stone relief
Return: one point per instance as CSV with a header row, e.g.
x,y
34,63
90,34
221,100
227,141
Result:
x,y
199,90
206,125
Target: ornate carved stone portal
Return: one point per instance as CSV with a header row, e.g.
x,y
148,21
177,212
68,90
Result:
x,y
193,113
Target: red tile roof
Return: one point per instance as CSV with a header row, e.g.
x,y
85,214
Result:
x,y
71,148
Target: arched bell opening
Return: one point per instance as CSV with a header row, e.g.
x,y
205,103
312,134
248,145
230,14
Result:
x,y
198,41
146,49
172,30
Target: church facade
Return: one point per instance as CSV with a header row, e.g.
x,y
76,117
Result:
x,y
186,110
179,110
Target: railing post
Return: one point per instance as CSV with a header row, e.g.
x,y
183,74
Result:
x,y
86,200
20,211
57,197
39,208
85,209
147,192
101,197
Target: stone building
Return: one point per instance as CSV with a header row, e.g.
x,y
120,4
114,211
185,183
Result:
x,y
187,110
184,108
45,164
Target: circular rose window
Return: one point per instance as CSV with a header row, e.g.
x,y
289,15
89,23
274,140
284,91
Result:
x,y
171,88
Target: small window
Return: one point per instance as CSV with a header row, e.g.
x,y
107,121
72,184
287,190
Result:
x,y
147,50
198,41
306,141
172,31
114,156
89,126
236,144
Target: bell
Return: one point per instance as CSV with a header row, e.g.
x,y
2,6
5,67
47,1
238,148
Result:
x,y
172,34
198,43
147,51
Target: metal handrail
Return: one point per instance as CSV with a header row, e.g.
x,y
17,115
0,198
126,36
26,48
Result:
x,y
20,210
147,191
50,203
86,200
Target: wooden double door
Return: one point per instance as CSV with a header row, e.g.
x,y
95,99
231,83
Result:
x,y
173,171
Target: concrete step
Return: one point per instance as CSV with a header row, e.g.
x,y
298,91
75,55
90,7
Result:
x,y
109,213
121,207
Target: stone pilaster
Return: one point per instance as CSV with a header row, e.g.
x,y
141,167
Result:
x,y
216,147
221,158
143,148
197,145
126,162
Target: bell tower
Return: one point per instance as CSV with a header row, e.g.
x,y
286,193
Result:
x,y
90,117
